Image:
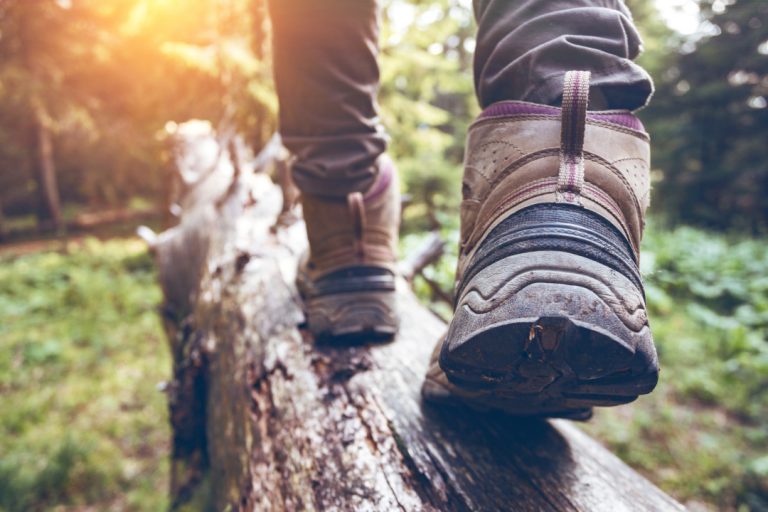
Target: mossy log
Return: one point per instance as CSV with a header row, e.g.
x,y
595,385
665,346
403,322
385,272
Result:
x,y
264,419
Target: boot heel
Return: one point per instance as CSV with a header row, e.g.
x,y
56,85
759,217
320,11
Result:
x,y
545,330
349,315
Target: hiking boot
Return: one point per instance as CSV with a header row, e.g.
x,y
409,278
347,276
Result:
x,y
550,315
347,278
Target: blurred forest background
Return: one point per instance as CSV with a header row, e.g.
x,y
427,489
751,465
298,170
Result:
x,y
89,94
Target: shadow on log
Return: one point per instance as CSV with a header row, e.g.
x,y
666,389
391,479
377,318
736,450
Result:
x,y
265,420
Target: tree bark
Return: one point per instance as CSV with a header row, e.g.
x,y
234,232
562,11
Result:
x,y
49,212
265,419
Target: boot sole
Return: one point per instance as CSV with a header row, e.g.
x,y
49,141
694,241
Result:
x,y
546,332
351,316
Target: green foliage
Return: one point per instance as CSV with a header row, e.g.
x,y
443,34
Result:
x,y
707,428
81,350
718,289
427,99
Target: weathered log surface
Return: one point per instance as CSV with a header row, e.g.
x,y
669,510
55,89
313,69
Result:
x,y
266,420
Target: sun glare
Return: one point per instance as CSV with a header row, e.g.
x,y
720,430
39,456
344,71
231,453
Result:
x,y
682,16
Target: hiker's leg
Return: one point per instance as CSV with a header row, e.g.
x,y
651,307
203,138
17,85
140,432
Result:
x,y
327,78
524,48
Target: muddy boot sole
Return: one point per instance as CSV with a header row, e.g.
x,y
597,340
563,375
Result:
x,y
554,322
346,317
356,304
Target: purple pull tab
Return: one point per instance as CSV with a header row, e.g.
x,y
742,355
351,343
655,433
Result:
x,y
574,119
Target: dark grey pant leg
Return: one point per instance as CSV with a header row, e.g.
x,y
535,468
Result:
x,y
327,79
524,47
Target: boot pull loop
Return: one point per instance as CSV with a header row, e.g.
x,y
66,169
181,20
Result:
x,y
574,120
357,212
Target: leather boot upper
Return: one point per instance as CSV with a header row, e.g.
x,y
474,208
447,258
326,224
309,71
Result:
x,y
358,230
519,154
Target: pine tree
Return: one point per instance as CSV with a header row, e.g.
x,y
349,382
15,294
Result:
x,y
710,122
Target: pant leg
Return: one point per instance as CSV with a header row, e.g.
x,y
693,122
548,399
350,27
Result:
x,y
327,76
524,47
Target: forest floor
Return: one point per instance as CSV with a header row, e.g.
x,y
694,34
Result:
x,y
84,427
82,424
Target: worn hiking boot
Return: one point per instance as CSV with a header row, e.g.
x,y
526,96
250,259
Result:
x,y
550,314
347,278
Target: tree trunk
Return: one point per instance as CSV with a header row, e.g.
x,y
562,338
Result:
x,y
49,212
265,419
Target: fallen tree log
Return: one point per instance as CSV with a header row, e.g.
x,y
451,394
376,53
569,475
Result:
x,y
265,419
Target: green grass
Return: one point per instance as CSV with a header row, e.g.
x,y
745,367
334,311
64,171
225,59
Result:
x,y
81,352
703,434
